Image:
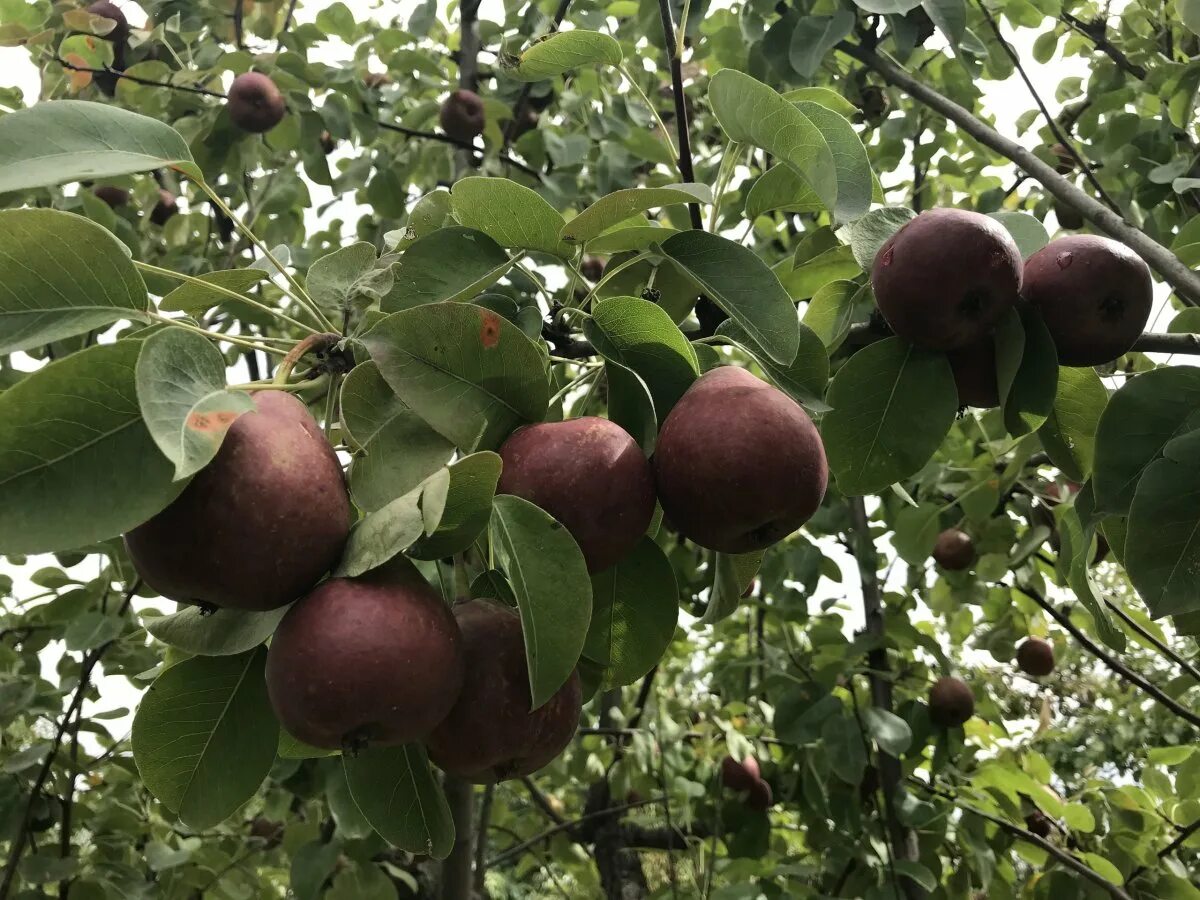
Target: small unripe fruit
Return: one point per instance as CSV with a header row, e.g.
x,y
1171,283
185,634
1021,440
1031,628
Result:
x,y
166,207
255,103
954,550
1036,657
951,702
462,115
736,776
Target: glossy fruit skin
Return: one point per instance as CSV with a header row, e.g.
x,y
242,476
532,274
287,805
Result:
x,y
255,103
110,10
1036,657
491,734
372,659
260,524
760,798
112,195
954,550
739,465
1094,295
588,473
944,279
166,207
737,776
462,115
974,371
951,702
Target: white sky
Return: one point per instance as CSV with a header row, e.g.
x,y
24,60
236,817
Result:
x,y
1004,100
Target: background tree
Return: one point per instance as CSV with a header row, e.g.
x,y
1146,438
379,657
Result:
x,y
484,217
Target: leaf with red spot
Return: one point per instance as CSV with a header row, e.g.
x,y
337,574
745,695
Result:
x,y
184,402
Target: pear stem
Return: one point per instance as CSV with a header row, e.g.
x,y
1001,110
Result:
x,y
314,343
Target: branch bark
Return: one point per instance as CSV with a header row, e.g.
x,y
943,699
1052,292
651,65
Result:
x,y
903,840
1097,36
1185,282
456,870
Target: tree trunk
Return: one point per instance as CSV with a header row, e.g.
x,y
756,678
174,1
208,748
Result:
x,y
456,870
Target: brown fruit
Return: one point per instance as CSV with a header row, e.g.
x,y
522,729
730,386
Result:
x,y
591,476
951,702
1064,160
255,103
491,734
945,279
739,776
760,798
375,660
166,207
462,115
1036,657
376,80
592,268
1094,295
257,526
266,830
954,550
1038,823
974,371
112,195
739,465
328,143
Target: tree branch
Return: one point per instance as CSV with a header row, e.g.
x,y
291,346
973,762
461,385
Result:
x,y
568,826
1152,640
1060,135
1109,660
686,168
903,841
1185,282
90,660
1166,851
287,23
239,14
446,139
1068,860
148,82
481,842
456,869
1102,43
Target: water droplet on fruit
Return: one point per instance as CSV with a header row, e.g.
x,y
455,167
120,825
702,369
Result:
x,y
887,256
1064,259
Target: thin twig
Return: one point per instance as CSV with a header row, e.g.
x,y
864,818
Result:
x,y
686,167
1102,43
287,23
239,14
1061,136
513,852
1150,638
1166,851
446,139
136,79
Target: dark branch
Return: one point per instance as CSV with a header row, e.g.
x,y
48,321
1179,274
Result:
x,y
1152,640
149,82
1166,851
239,14
446,139
1096,34
686,168
287,23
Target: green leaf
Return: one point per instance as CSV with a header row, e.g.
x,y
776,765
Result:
x,y
950,16
1079,818
640,336
826,97
1103,868
630,404
398,794
398,450
510,214
743,286
294,748
914,871
1030,400
204,736
332,280
732,575
554,595
380,535
888,730
1187,322
637,239
225,632
448,264
855,180
1146,413
564,51
916,531
834,308
1162,547
472,375
808,277
750,112
190,297
1069,435
73,140
61,275
872,231
92,629
844,747
892,405
1029,233
181,392
887,7
814,37
635,606
467,509
612,209
361,881
781,188
77,463
804,380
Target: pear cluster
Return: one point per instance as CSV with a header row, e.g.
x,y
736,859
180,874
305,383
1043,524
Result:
x,y
945,279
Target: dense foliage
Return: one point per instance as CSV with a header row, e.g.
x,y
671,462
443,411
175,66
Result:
x,y
435,229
